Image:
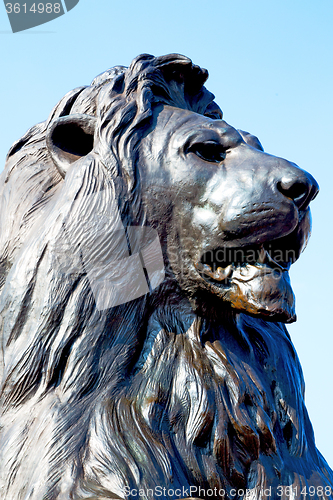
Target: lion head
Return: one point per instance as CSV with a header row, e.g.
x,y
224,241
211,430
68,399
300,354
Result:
x,y
144,251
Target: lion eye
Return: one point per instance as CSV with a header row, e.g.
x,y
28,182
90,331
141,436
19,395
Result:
x,y
208,151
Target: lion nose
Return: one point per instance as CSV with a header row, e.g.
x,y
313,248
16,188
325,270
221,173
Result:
x,y
298,185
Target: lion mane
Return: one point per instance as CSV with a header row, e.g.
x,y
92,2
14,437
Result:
x,y
107,402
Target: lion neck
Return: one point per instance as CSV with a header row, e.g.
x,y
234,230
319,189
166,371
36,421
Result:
x,y
193,401
196,409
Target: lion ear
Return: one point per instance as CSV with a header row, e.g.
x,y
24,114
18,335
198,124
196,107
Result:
x,y
69,138
252,140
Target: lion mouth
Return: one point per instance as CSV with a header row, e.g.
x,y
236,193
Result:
x,y
239,263
254,279
223,264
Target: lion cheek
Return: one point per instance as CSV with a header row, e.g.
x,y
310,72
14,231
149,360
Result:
x,y
269,296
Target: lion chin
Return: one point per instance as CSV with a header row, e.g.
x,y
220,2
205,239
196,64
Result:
x,y
145,249
261,291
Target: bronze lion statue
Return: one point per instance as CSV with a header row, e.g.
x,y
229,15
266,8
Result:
x,y
144,253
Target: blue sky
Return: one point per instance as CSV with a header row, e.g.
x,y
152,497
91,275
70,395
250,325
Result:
x,y
270,65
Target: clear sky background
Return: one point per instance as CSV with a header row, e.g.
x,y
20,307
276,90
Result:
x,y
270,65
